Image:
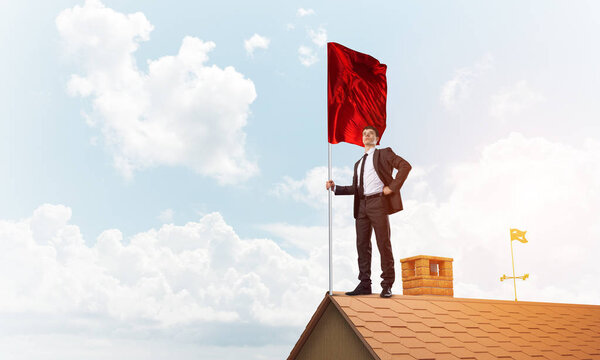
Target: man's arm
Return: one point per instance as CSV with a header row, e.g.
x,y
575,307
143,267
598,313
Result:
x,y
403,168
343,190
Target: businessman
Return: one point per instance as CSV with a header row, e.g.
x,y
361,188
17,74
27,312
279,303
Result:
x,y
376,196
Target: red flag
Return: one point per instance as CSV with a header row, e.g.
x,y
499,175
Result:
x,y
356,94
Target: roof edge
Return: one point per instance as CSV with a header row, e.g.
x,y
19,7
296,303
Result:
x,y
310,326
470,300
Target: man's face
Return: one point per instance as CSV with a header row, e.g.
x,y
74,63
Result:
x,y
369,137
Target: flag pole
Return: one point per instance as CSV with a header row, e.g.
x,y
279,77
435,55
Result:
x,y
330,233
329,178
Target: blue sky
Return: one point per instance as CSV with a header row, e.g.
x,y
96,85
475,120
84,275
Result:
x,y
146,139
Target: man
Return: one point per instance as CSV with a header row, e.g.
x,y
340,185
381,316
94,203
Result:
x,y
376,195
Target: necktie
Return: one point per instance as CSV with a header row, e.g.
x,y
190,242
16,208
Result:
x,y
361,179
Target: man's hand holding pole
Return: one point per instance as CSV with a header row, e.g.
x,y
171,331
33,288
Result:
x,y
329,184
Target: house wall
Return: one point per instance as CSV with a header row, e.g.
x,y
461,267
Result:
x,y
333,338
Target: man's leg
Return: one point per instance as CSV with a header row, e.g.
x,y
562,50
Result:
x,y
381,224
363,245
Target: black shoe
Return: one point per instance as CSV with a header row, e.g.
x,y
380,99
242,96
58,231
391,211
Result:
x,y
360,290
386,292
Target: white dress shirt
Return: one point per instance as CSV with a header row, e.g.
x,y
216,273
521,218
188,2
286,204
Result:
x,y
373,184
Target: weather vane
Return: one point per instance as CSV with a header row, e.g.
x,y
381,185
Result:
x,y
520,236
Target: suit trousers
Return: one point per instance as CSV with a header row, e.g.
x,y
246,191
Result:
x,y
373,216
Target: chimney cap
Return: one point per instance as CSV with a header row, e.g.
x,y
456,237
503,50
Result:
x,y
428,257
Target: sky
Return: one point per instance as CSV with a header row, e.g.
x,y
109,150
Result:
x,y
163,164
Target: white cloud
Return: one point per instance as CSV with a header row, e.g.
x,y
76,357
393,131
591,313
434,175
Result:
x,y
318,37
304,12
549,189
512,101
290,26
170,115
195,284
458,89
256,42
166,216
176,275
307,56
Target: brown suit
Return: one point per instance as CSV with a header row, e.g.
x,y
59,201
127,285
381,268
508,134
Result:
x,y
372,213
384,161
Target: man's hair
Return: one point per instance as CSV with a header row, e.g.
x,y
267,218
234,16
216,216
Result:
x,y
371,127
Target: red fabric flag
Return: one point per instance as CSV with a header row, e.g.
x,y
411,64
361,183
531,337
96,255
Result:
x,y
356,94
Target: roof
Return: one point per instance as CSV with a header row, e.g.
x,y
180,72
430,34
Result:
x,y
430,327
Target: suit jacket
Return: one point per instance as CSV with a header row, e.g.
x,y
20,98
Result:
x,y
384,162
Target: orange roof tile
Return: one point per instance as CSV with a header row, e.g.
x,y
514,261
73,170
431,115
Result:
x,y
429,327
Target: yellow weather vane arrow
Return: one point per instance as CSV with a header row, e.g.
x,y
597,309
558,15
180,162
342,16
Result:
x,y
518,235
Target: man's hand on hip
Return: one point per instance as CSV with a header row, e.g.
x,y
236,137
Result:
x,y
387,190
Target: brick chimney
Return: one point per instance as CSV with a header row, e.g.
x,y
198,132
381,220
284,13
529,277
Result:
x,y
427,275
